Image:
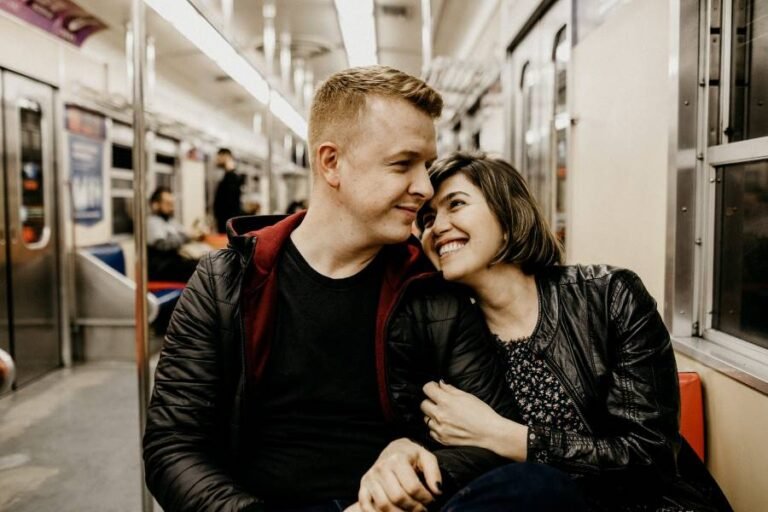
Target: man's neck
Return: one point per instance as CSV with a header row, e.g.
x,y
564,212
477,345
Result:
x,y
328,244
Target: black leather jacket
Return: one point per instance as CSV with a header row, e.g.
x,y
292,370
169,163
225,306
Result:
x,y
428,330
600,333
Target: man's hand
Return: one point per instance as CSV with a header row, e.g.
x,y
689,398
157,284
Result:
x,y
393,484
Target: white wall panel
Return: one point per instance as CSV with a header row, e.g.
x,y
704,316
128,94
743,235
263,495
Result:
x,y
619,144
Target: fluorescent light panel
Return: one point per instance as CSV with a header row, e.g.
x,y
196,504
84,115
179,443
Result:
x,y
192,25
358,29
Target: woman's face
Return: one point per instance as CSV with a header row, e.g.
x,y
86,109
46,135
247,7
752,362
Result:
x,y
461,235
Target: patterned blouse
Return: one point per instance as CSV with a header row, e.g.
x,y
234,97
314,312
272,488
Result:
x,y
543,401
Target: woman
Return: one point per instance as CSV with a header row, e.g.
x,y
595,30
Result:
x,y
589,361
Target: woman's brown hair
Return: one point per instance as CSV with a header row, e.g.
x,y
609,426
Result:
x,y
528,240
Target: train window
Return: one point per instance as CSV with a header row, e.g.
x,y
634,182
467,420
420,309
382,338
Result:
x,y
749,74
560,58
165,159
122,215
32,209
741,258
122,157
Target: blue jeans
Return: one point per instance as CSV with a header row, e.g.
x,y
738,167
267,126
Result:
x,y
327,506
520,487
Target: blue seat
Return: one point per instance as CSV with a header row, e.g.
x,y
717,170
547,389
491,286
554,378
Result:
x,y
112,255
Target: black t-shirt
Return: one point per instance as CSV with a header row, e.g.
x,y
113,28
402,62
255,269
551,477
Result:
x,y
318,422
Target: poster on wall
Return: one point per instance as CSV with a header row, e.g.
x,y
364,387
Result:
x,y
86,135
62,18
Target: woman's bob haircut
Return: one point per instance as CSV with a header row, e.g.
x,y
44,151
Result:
x,y
528,240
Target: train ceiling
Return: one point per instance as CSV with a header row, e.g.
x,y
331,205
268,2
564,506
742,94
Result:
x,y
315,38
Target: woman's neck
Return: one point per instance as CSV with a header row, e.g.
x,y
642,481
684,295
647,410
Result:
x,y
509,300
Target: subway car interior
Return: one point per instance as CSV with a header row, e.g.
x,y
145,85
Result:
x,y
640,126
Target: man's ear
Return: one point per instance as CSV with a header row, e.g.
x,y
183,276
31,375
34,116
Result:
x,y
328,163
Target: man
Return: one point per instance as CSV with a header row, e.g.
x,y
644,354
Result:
x,y
164,240
226,202
295,356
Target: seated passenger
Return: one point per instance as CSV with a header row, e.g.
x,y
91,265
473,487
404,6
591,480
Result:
x,y
589,361
165,238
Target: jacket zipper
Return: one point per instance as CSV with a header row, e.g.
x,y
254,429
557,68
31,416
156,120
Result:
x,y
576,404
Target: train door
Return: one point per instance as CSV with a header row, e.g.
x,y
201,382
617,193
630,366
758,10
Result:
x,y
29,305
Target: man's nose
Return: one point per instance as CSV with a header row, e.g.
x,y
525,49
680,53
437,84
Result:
x,y
421,186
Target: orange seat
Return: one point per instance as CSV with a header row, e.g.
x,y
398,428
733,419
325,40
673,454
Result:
x,y
217,241
692,411
155,286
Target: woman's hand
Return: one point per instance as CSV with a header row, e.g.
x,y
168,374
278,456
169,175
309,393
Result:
x,y
457,418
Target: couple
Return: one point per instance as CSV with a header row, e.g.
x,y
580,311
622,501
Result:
x,y
323,346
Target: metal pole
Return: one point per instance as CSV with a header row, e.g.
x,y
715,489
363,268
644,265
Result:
x,y
139,225
426,36
271,182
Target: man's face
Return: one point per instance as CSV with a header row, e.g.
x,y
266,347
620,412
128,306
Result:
x,y
383,169
225,161
164,206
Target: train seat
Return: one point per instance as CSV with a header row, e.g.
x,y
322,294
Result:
x,y
692,411
111,254
166,292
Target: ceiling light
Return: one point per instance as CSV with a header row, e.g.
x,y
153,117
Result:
x,y
193,26
285,112
358,29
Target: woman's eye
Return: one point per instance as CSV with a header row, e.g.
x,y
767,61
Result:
x,y
455,203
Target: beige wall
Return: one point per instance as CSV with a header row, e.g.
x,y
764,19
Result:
x,y
737,448
619,156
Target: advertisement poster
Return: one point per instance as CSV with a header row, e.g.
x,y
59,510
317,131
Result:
x,y
85,164
87,131
62,18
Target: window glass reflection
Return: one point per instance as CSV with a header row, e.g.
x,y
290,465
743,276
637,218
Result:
x,y
741,261
749,72
32,207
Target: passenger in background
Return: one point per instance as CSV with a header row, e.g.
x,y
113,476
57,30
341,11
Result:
x,y
226,202
165,239
589,361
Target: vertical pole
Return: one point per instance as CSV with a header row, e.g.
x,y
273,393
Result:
x,y
426,36
271,185
139,225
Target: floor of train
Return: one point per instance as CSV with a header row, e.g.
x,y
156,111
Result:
x,y
70,441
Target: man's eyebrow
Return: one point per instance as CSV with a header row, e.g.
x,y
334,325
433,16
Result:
x,y
408,153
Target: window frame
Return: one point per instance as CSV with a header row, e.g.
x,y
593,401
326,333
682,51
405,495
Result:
x,y
691,250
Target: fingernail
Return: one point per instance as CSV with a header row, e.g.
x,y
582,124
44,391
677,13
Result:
x,y
442,381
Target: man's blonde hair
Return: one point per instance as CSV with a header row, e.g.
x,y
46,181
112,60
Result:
x,y
340,100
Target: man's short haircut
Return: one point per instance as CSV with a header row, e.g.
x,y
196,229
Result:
x,y
340,100
157,195
224,151
528,239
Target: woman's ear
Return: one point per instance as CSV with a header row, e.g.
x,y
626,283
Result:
x,y
328,163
